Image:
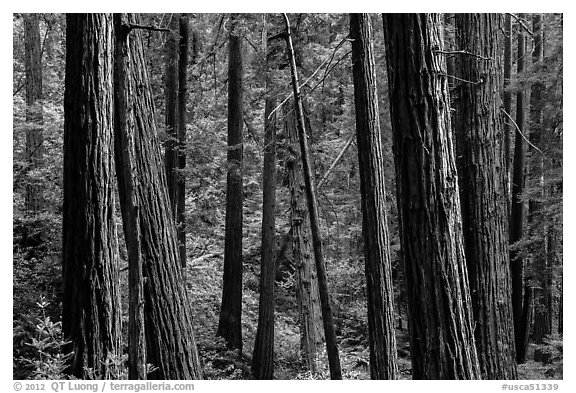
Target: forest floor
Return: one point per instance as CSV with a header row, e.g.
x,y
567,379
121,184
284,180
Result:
x,y
37,276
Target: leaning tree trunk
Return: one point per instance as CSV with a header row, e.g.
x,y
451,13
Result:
x,y
91,307
378,267
170,344
440,313
34,115
482,181
307,296
229,325
327,317
517,212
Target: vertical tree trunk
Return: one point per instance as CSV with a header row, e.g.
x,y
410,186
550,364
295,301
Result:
x,y
329,331
34,116
439,305
263,356
482,181
307,295
229,326
507,94
125,150
91,301
170,113
517,213
378,267
170,344
180,212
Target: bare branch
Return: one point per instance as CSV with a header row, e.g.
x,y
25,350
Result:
x,y
521,24
462,52
463,80
522,134
336,162
151,28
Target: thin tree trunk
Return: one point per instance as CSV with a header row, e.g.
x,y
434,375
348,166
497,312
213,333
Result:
x,y
170,112
170,344
125,150
482,181
180,212
378,266
229,326
439,306
91,307
34,115
263,356
329,331
517,213
307,296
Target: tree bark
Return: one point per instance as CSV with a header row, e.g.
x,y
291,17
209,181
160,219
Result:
x,y
180,213
91,301
507,94
170,113
482,181
307,296
378,266
329,331
170,344
263,356
439,305
229,326
521,330
34,116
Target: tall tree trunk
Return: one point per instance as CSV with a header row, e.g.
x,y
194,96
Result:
x,y
170,112
180,213
34,115
378,267
482,181
263,356
327,318
307,296
439,305
229,326
518,212
507,95
125,150
91,301
170,344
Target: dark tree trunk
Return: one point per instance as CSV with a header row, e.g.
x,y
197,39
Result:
x,y
307,297
34,115
229,326
170,112
170,343
327,318
439,305
263,356
180,212
507,95
378,267
482,181
521,330
125,150
91,301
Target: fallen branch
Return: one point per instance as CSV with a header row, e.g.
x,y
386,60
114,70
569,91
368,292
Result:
x,y
336,162
522,134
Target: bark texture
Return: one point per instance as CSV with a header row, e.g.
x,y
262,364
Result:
x,y
170,344
378,267
507,95
170,111
34,116
91,301
440,313
263,355
229,326
482,180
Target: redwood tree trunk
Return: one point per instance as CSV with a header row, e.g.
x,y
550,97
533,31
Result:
x,y
507,95
378,267
34,116
170,344
440,313
91,301
482,181
170,110
521,330
263,356
229,326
